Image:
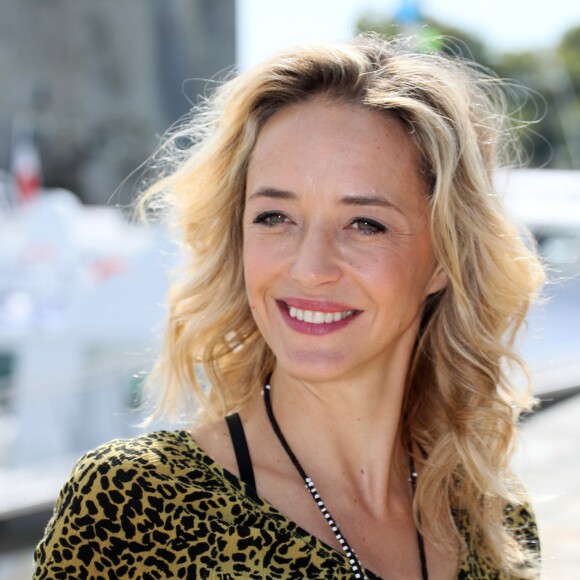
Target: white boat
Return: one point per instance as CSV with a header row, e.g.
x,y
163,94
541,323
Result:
x,y
81,308
547,201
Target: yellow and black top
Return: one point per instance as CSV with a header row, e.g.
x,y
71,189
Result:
x,y
159,507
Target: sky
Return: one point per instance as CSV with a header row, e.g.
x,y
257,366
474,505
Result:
x,y
265,26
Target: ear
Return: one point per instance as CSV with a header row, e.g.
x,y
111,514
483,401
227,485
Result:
x,y
438,282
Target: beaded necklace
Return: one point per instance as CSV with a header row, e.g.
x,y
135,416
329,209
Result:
x,y
354,562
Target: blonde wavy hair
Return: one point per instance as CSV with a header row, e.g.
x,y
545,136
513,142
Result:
x,y
460,407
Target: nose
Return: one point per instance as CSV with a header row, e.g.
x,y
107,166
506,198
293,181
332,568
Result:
x,y
316,259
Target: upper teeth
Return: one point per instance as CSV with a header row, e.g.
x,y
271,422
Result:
x,y
318,317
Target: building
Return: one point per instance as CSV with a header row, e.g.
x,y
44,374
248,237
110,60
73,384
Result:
x,y
100,81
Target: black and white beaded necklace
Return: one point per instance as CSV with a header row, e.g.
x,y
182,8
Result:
x,y
355,564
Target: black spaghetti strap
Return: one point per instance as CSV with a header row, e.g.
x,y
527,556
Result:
x,y
241,449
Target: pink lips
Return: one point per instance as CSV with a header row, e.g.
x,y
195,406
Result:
x,y
318,306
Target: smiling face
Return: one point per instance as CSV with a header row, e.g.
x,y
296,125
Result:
x,y
338,260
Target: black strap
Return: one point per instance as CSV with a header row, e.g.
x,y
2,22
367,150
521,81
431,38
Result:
x,y
241,449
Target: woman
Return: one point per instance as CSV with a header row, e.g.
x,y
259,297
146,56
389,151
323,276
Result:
x,y
353,292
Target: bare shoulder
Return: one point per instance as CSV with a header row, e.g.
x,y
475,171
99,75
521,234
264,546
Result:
x,y
214,439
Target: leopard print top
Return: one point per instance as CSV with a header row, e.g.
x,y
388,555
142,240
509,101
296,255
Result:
x,y
159,507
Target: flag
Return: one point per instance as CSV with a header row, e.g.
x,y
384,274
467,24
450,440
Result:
x,y
26,167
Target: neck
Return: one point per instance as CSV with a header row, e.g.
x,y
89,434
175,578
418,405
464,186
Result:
x,y
346,431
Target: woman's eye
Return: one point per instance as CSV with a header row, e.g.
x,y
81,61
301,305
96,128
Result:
x,y
270,218
368,226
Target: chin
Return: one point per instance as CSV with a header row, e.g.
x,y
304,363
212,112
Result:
x,y
313,366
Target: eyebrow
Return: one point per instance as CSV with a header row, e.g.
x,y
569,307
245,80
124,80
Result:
x,y
366,200
353,199
273,193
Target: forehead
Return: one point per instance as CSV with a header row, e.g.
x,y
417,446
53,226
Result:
x,y
324,145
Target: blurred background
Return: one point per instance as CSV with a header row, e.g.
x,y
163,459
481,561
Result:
x,y
87,90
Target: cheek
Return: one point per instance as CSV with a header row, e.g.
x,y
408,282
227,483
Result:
x,y
249,271
257,268
393,272
373,265
264,256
